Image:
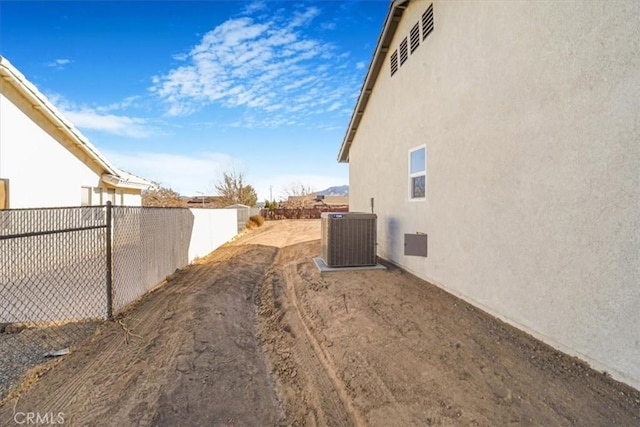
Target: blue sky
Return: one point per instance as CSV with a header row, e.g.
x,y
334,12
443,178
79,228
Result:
x,y
179,92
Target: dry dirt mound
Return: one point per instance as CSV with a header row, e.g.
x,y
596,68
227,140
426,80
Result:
x,y
190,356
351,348
385,348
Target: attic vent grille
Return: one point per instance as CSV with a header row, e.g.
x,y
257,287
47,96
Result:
x,y
404,51
394,62
427,22
415,37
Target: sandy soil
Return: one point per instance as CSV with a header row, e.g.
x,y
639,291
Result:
x,y
254,335
190,357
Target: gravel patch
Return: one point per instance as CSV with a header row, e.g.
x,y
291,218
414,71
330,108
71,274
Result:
x,y
23,350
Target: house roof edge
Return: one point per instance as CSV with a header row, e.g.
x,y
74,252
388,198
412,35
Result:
x,y
14,77
396,10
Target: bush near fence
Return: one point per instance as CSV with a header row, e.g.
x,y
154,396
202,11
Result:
x,y
299,213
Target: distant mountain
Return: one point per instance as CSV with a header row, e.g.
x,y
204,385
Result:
x,y
342,190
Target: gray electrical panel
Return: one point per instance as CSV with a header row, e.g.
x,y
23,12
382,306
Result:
x,y
415,244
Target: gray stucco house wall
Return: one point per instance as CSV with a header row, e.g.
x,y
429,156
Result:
x,y
528,114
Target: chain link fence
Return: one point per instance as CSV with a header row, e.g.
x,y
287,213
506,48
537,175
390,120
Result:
x,y
52,283
148,245
65,270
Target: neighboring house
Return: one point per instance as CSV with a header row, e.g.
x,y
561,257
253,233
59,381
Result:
x,y
205,201
508,133
45,161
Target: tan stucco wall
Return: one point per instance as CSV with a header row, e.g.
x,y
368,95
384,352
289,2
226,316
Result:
x,y
530,112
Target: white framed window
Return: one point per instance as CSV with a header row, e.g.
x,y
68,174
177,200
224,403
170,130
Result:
x,y
418,173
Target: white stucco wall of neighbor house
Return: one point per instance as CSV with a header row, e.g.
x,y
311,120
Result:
x,y
131,198
530,116
211,229
41,172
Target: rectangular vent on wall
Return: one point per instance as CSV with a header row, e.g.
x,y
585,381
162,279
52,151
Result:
x,y
404,51
427,22
394,62
415,37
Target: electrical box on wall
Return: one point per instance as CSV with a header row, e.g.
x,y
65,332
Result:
x,y
415,244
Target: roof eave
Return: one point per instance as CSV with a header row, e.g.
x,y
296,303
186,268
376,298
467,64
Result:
x,y
396,10
11,75
131,184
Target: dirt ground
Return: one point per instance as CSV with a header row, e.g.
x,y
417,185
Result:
x,y
253,335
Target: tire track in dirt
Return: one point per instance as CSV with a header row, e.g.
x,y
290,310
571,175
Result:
x,y
90,393
356,374
308,382
137,407
290,278
225,363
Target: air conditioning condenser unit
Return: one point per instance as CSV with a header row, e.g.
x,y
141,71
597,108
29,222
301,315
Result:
x,y
348,239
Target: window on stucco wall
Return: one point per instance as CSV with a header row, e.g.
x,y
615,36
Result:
x,y
418,173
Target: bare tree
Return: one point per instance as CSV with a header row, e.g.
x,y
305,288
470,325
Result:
x,y
161,197
296,189
233,189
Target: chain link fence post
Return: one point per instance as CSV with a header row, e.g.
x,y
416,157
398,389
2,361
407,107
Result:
x,y
109,220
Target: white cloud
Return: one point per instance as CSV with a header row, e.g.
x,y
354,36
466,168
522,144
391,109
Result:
x,y
88,118
186,174
253,7
58,63
360,65
264,63
190,174
124,104
328,26
100,119
334,106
